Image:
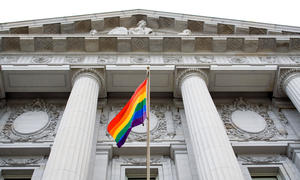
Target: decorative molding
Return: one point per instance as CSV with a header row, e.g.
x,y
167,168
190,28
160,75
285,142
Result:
x,y
146,58
268,59
235,133
238,60
172,59
205,59
187,73
46,134
261,159
139,59
42,59
141,161
107,59
74,59
21,161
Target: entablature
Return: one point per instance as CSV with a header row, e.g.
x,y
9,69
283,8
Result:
x,y
52,43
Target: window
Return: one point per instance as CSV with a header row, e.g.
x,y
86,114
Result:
x,y
17,174
264,178
265,173
141,173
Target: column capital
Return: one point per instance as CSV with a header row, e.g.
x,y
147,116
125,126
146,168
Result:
x,y
188,72
286,75
97,74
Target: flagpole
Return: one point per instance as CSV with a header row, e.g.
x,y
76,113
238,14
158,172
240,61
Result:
x,y
148,123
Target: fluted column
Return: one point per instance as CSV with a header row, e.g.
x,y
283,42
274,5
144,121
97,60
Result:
x,y
70,155
213,153
290,84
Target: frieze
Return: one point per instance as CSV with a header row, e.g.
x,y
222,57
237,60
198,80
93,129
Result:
x,y
270,131
21,161
74,59
42,59
268,59
172,59
261,159
205,59
46,133
139,59
296,59
107,59
140,161
148,59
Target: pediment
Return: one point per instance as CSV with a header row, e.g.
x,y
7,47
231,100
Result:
x,y
162,23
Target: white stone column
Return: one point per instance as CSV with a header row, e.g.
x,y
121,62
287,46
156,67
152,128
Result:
x,y
290,84
70,155
213,153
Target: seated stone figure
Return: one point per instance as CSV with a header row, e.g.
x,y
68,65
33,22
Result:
x,y
141,28
118,30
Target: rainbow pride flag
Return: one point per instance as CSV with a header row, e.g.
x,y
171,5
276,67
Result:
x,y
132,114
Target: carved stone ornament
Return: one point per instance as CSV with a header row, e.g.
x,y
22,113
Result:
x,y
296,59
238,60
235,133
21,161
139,59
172,59
74,59
286,75
261,159
43,133
268,59
107,59
41,59
8,59
205,59
141,161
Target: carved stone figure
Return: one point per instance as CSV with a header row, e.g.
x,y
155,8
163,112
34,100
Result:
x,y
141,28
185,32
118,30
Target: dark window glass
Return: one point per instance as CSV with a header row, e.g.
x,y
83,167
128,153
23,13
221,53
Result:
x,y
264,178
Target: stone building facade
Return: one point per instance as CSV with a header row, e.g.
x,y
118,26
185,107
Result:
x,y
225,97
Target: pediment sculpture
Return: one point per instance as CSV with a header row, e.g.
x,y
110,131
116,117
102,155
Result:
x,y
140,29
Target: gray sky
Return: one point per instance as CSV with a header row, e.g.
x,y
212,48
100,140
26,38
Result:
x,y
285,12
